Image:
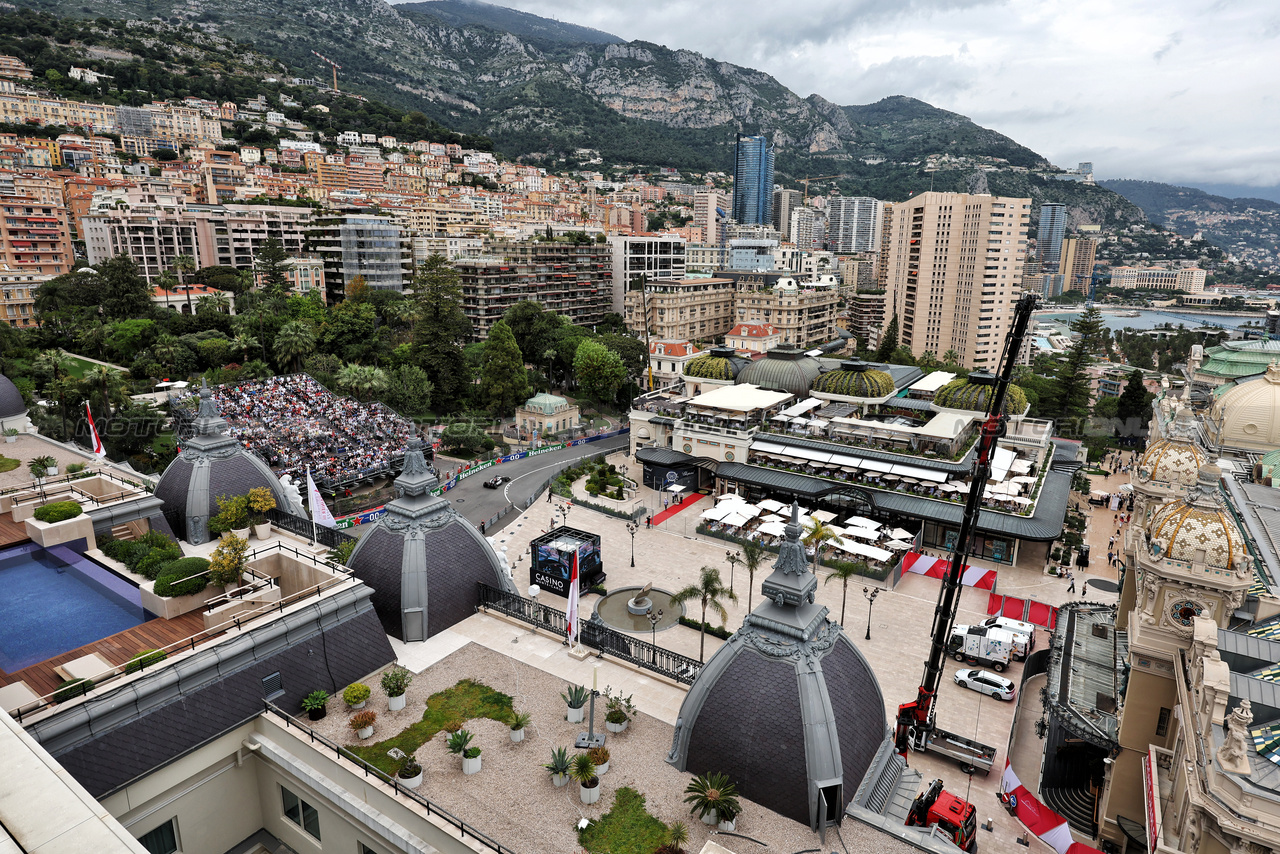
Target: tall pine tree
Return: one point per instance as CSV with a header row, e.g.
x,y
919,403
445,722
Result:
x,y
888,341
504,382
441,330
1134,406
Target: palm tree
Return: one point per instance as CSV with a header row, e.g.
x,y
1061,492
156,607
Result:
x,y
294,341
708,591
752,556
844,572
107,383
951,359
550,356
218,302
348,377
242,344
372,381
185,265
59,366
166,349
817,535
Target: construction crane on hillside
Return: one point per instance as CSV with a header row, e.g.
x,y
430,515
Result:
x,y
806,181
335,65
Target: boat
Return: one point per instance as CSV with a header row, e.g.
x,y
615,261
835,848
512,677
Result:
x,y
1128,314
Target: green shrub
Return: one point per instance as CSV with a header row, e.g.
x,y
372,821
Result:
x,y
714,631
71,689
58,511
176,578
75,468
156,560
143,660
114,549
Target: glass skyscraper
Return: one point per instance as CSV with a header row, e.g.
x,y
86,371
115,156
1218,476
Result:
x,y
1053,225
753,181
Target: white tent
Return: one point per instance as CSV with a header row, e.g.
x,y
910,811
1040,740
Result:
x,y
863,550
862,522
775,529
770,504
823,515
897,545
902,534
735,520
862,533
715,514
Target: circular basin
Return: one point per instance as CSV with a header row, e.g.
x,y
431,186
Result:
x,y
615,613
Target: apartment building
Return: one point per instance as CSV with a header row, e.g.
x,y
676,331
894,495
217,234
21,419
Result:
x,y
954,271
705,257
784,203
18,108
1189,279
1079,254
666,362
357,244
854,224
1049,235
802,312
753,180
34,237
574,281
686,309
17,297
866,316
648,256
807,228
706,203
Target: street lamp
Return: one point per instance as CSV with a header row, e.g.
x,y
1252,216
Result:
x,y
734,559
654,619
632,527
871,595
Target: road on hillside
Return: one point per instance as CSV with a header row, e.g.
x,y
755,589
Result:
x,y
476,504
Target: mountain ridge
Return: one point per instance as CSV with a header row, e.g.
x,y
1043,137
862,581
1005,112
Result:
x,y
533,27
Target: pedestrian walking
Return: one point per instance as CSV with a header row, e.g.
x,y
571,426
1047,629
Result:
x,y
1110,558
1084,590
1071,588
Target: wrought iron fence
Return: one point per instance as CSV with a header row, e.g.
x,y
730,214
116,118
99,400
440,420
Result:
x,y
331,537
595,635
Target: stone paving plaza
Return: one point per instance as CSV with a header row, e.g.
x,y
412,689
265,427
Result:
x,y
671,556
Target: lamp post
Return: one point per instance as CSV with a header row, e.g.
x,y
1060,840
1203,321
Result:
x,y
734,559
534,590
870,595
632,527
654,619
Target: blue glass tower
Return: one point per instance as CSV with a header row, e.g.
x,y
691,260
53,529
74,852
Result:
x,y
1053,225
753,181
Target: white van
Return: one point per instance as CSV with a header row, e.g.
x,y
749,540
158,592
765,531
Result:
x,y
1018,627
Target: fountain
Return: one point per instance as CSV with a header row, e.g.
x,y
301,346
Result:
x,y
629,609
641,603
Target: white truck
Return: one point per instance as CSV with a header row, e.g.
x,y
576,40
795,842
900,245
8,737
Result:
x,y
1018,627
985,645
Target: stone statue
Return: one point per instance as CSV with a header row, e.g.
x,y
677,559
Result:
x,y
1233,755
293,493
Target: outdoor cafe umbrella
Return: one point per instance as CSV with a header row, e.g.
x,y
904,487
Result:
x,y
862,522
773,529
888,477
901,534
1018,499
735,520
947,487
823,515
771,505
909,480
897,545
715,514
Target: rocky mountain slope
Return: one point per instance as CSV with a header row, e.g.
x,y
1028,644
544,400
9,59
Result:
x,y
532,28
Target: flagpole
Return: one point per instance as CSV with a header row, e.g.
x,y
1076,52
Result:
x,y
311,511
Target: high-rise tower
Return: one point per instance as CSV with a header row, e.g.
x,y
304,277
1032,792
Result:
x,y
1053,225
753,181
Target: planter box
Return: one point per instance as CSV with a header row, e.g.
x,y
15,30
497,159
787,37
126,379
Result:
x,y
728,826
577,715
471,766
357,706
602,768
395,704
559,780
411,782
589,796
317,714
56,533
517,735
616,728
174,606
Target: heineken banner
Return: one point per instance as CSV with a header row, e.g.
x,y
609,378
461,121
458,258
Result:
x,y
468,469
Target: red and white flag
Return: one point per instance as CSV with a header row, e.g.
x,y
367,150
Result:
x,y
320,513
573,602
98,450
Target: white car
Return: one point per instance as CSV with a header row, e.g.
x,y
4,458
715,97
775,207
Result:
x,y
985,682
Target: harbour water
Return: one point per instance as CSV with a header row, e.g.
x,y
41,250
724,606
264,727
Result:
x,y
1151,318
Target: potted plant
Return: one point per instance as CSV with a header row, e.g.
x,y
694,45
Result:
x,y
518,721
459,744
10,435
576,699
620,711
50,465
314,704
583,770
226,566
394,683
712,797
356,695
233,516
261,500
39,467
409,772
558,767
600,756
362,723
728,817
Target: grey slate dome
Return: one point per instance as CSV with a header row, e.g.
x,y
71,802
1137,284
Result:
x,y
211,464
783,369
11,403
422,559
788,707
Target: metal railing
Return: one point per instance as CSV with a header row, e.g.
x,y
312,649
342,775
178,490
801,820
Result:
x,y
331,537
596,635
392,780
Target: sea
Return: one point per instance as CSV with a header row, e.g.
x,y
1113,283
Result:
x,y
1151,318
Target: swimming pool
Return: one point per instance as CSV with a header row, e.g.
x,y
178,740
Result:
x,y
54,600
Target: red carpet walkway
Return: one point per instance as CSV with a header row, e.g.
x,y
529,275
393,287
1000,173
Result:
x,y
659,518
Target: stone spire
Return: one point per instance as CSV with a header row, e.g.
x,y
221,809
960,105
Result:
x,y
209,421
1204,495
416,478
791,584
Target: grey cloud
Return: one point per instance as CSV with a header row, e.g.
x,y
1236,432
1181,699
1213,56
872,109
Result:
x,y
1174,40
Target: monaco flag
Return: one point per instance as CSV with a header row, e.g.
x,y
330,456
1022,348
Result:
x,y
319,510
98,450
573,602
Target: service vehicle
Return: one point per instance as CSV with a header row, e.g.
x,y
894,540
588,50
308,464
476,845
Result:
x,y
1018,627
982,645
985,682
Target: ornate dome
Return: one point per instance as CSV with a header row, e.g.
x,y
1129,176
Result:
x,y
855,379
1175,459
783,369
718,363
1235,359
1246,414
11,403
422,559
962,394
212,464
1198,527
789,708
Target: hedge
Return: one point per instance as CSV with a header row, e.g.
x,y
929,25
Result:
x,y
58,511
143,660
176,579
146,555
714,631
71,689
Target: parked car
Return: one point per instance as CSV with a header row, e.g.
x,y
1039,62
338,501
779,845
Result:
x,y
496,481
985,682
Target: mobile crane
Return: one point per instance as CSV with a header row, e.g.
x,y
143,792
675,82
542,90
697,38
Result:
x,y
916,729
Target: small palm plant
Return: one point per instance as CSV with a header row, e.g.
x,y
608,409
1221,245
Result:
x,y
713,794
559,764
583,771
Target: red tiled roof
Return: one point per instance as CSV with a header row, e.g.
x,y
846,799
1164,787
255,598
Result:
x,y
753,330
672,348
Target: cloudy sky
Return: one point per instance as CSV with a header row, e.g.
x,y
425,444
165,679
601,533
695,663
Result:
x,y
1168,90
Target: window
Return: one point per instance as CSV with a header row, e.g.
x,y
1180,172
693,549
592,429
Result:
x,y
365,849
1162,724
272,687
301,813
162,840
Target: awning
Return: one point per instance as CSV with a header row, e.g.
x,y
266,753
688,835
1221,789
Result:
x,y
802,407
862,549
1000,463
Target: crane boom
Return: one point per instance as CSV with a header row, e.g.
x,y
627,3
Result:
x,y
806,181
916,719
335,66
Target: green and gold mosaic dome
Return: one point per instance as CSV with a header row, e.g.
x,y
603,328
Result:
x,y
718,363
1198,523
855,379
962,394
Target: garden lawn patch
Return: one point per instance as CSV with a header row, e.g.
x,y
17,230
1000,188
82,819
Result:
x,y
627,828
8,463
461,703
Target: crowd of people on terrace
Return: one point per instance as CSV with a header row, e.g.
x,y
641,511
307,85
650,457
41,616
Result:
x,y
294,423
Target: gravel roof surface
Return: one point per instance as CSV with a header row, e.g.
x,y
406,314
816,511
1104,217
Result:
x,y
512,798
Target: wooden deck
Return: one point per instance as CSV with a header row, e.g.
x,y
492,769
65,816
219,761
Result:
x,y
117,649
11,532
